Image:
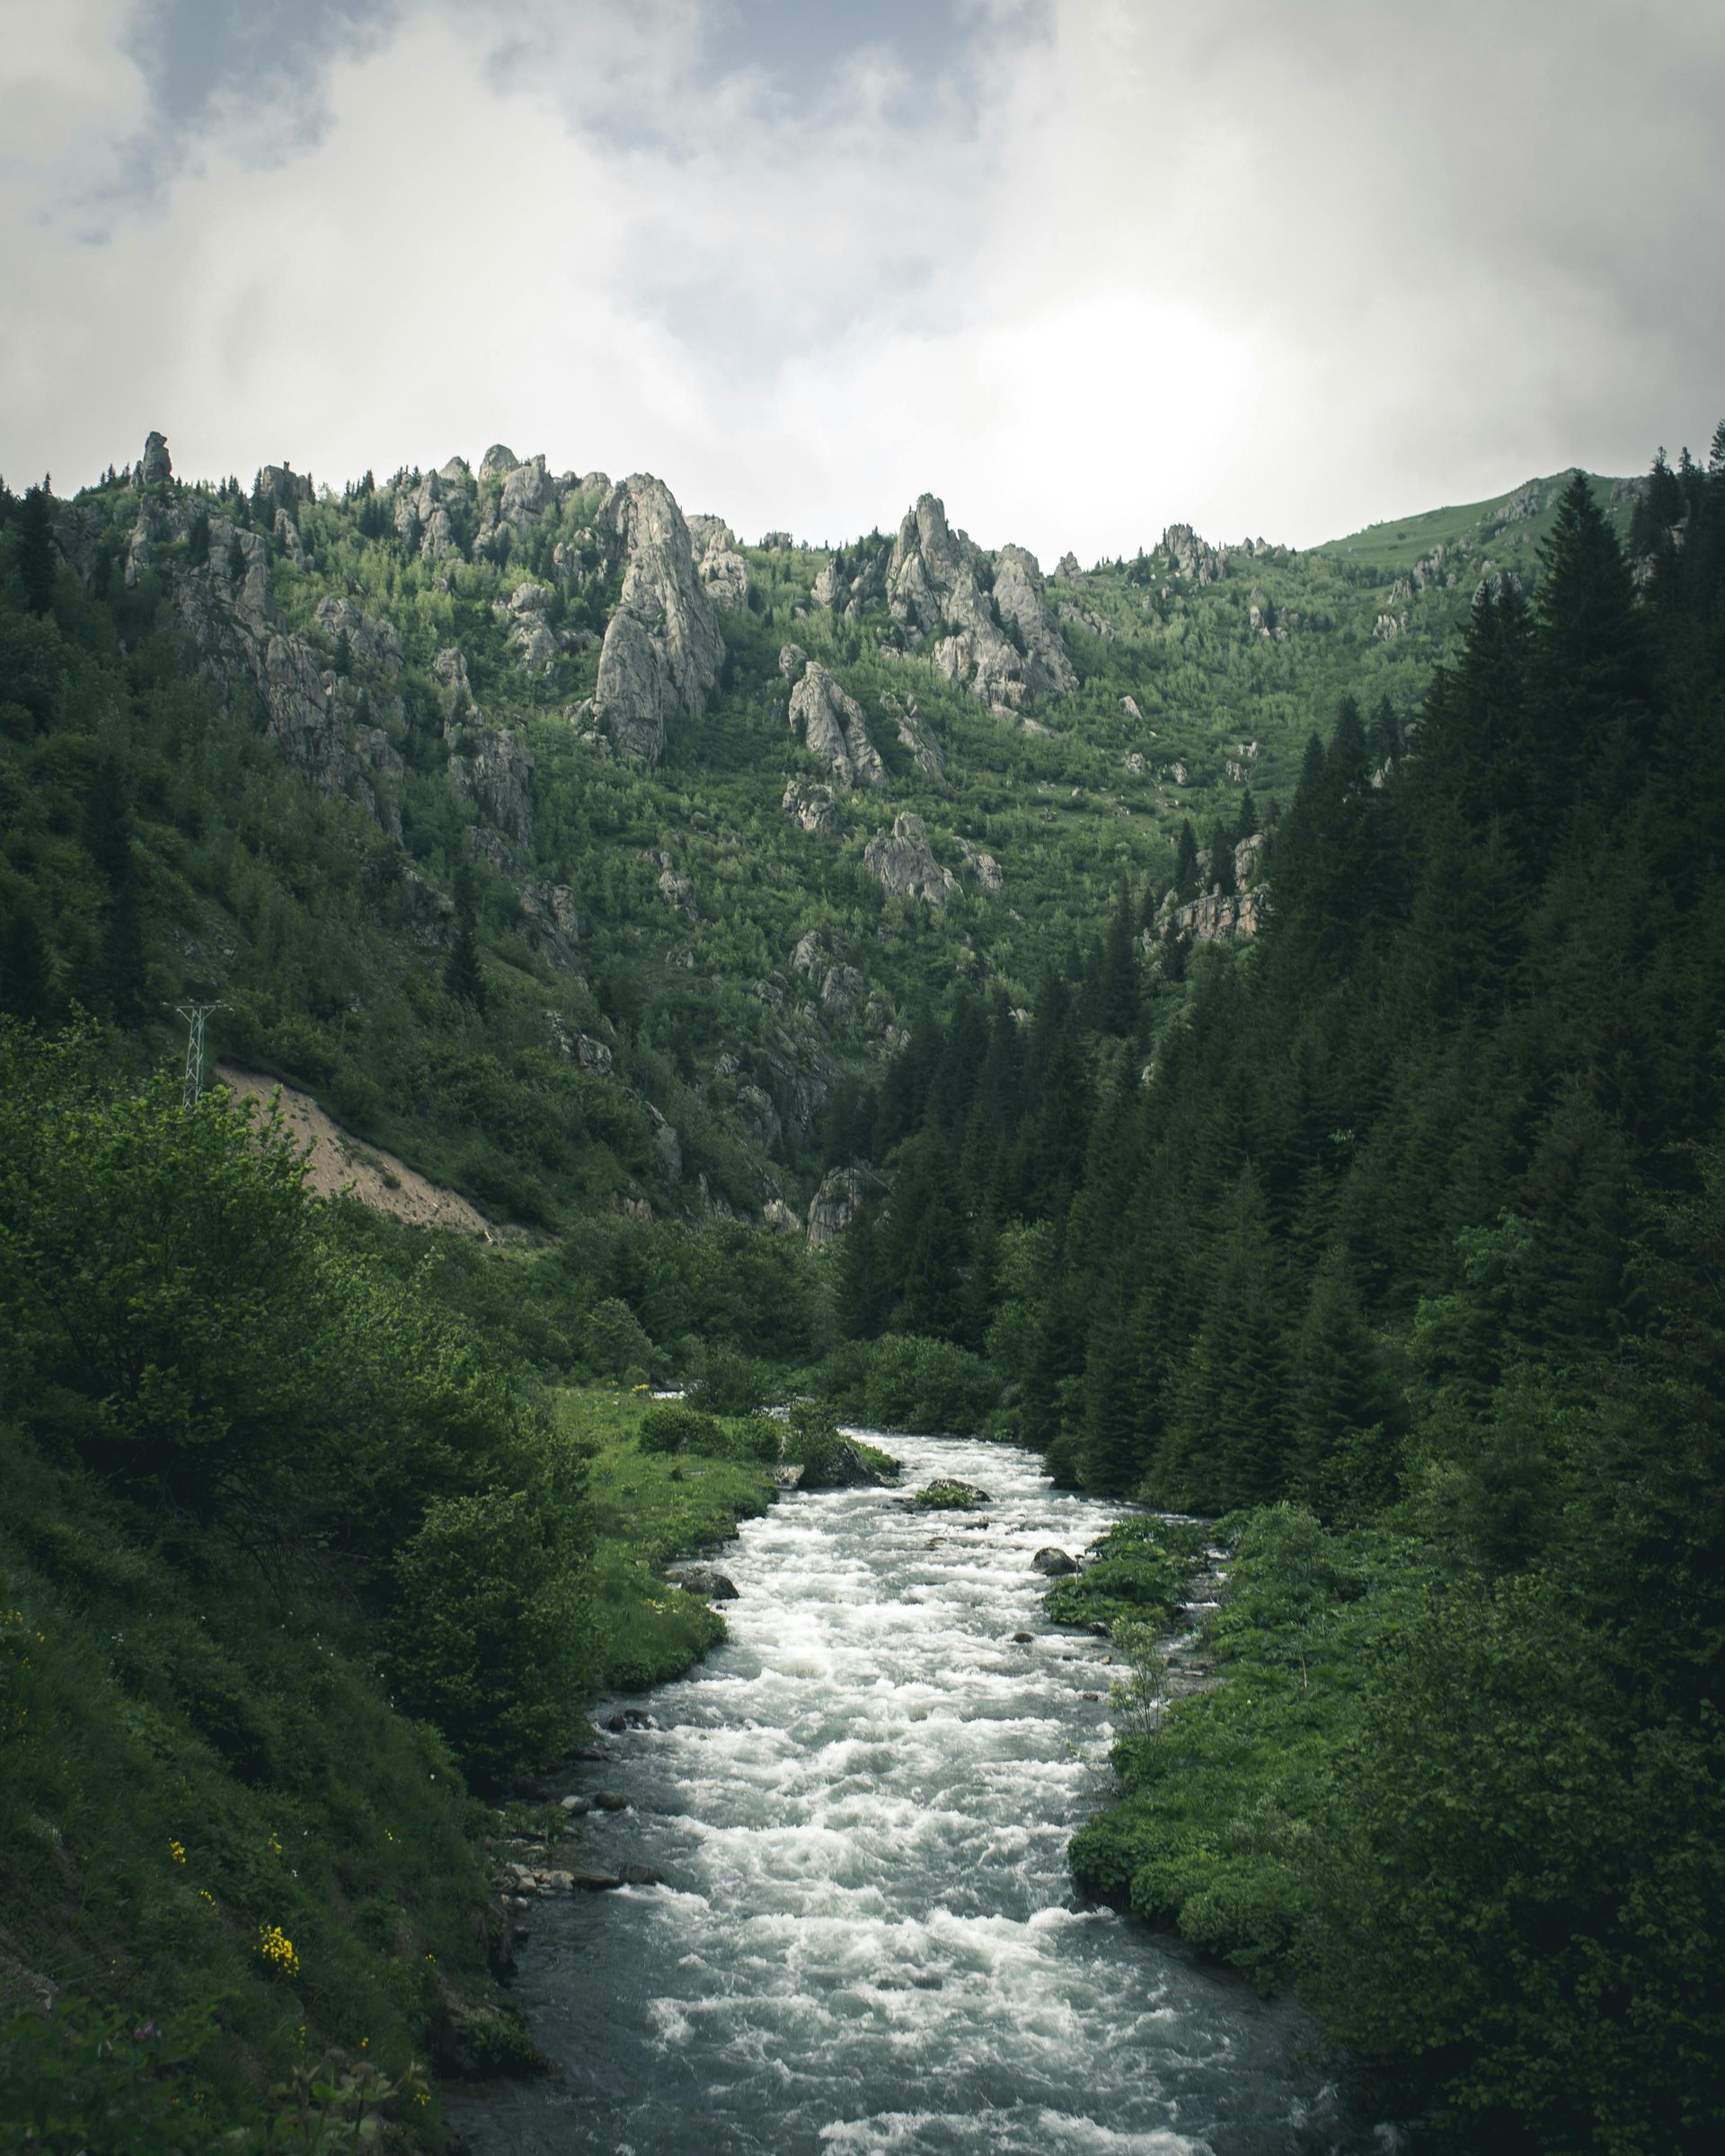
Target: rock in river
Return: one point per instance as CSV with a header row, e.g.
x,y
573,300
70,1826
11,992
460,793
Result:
x,y
1053,1564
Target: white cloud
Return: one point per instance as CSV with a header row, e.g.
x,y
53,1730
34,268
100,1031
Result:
x,y
1262,269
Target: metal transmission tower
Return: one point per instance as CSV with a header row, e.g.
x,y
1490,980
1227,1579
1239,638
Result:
x,y
194,1015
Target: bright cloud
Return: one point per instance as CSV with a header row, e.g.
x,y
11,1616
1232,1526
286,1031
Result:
x,y
1082,269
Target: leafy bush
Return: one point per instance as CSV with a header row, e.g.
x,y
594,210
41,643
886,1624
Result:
x,y
1138,1572
492,1634
670,1426
729,1384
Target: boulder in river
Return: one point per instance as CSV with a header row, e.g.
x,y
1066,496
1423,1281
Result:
x,y
1053,1564
947,1494
640,1875
611,1800
594,1882
709,1582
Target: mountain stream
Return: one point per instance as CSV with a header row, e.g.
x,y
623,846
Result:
x,y
869,1939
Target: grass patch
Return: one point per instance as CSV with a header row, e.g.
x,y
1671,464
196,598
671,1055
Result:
x,y
649,1507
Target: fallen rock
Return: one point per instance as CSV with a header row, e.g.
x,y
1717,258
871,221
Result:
x,y
709,1582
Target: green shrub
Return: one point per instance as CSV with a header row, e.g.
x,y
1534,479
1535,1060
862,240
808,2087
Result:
x,y
922,1384
670,1426
492,1634
728,1384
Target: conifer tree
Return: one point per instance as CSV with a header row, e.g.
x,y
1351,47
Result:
x,y
35,549
463,975
117,987
1186,864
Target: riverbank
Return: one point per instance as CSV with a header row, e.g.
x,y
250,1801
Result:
x,y
858,1807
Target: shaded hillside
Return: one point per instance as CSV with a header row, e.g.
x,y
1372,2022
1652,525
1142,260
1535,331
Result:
x,y
584,855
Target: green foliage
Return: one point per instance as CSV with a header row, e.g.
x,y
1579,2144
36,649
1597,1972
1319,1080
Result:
x,y
1135,1574
944,1495
666,1427
903,1383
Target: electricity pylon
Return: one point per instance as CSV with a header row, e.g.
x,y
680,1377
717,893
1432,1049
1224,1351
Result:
x,y
194,1015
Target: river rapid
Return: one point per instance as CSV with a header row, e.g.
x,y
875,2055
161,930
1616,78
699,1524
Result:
x,y
868,1939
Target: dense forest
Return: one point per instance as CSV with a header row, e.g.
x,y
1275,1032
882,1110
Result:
x,y
1323,1138
1406,1238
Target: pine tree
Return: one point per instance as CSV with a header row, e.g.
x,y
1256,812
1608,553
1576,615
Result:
x,y
463,975
26,968
1186,864
35,549
116,988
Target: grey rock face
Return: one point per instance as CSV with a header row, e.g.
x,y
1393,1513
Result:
x,y
834,1203
1018,601
662,649
721,569
154,468
370,644
677,892
534,642
852,580
1191,556
831,724
935,587
982,867
496,461
915,733
1066,569
904,863
811,807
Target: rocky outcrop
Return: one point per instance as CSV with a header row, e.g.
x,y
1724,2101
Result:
x,y
1066,569
1018,601
852,580
840,988
524,617
915,734
154,467
902,861
1216,917
721,569
830,722
662,649
328,697
1192,557
811,808
982,868
834,1205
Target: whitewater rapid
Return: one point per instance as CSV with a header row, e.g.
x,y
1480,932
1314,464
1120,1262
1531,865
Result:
x,y
868,1940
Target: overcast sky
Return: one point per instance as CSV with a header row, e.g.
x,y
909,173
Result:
x,y
1082,267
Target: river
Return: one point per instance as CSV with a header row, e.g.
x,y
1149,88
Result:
x,y
868,1939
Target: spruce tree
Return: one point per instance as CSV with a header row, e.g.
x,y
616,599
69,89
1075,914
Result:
x,y
35,549
463,975
1186,864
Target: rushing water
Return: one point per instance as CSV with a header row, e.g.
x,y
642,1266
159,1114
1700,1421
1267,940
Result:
x,y
869,1939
